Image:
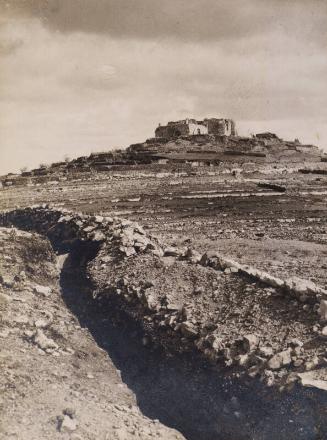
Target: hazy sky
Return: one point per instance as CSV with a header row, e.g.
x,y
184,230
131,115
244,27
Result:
x,y
86,75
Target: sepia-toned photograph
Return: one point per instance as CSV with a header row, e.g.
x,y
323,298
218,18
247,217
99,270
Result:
x,y
163,219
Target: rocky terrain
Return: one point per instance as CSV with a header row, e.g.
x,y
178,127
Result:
x,y
56,382
256,329
203,280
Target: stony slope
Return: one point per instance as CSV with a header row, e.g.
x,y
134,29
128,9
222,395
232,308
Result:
x,y
56,382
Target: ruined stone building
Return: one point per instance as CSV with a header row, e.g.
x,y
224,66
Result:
x,y
189,127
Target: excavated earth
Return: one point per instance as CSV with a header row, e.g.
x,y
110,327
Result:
x,y
214,311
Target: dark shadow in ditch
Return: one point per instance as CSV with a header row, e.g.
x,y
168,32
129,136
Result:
x,y
182,391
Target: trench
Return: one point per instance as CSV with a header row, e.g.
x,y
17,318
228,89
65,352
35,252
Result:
x,y
183,391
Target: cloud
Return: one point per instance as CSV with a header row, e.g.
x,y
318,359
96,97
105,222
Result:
x,y
9,46
191,20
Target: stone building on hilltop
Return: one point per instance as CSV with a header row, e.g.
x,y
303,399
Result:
x,y
189,127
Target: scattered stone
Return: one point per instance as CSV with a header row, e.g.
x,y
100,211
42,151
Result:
x,y
42,290
266,351
98,236
198,290
250,342
311,364
128,251
41,323
295,343
66,424
279,360
243,360
29,333
43,341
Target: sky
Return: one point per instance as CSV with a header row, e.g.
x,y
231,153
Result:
x,y
78,76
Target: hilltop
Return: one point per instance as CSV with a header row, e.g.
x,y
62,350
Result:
x,y
186,151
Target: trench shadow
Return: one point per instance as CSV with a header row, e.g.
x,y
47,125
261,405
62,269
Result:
x,y
183,391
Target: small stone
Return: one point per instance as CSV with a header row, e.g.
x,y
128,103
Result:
x,y
243,360
279,360
42,290
41,323
89,228
295,343
250,342
98,236
310,365
128,251
66,424
266,351
171,252
269,377
29,333
98,219
217,343
198,291
43,341
324,331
